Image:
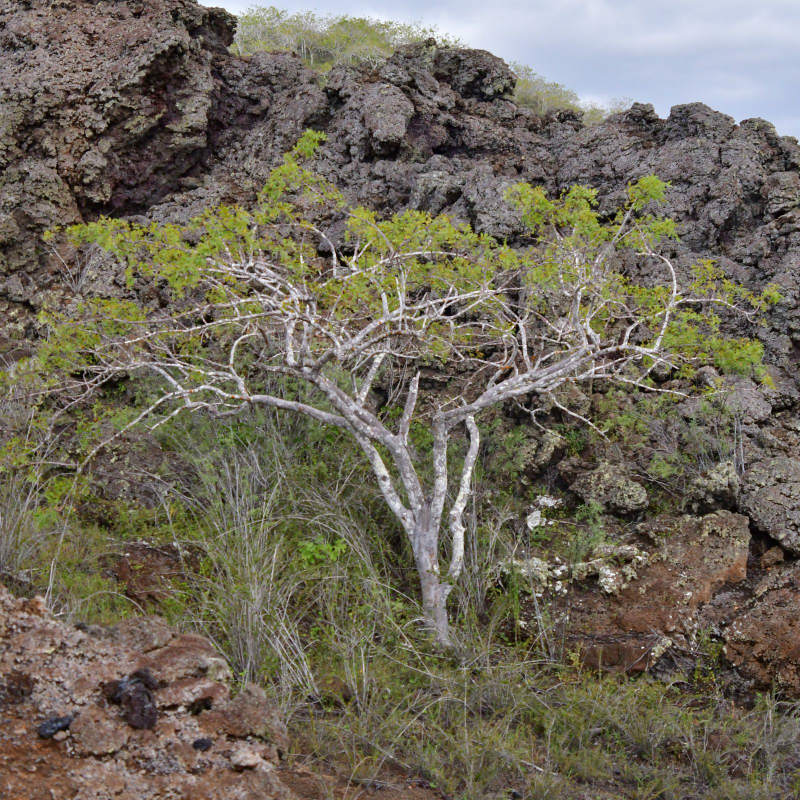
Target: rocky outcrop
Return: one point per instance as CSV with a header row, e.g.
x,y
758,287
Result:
x,y
764,640
688,560
612,490
110,108
131,107
771,497
684,591
136,711
716,488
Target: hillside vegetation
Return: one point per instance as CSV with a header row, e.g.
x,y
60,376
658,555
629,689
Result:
x,y
286,353
287,553
323,41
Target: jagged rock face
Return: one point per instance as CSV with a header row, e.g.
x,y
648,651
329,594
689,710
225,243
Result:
x,y
771,498
688,559
108,108
762,641
135,107
696,578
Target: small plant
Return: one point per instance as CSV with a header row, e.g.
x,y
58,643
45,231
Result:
x,y
575,440
589,534
710,650
318,550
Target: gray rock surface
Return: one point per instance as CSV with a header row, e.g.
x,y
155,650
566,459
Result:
x,y
611,488
717,488
163,119
771,498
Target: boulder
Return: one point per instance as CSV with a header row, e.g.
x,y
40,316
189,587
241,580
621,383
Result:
x,y
716,488
249,714
771,498
608,486
186,656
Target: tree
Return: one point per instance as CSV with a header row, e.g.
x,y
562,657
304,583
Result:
x,y
263,294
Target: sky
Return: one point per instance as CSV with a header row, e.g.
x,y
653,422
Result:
x,y
741,57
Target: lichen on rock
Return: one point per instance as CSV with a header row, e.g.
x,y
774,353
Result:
x,y
609,487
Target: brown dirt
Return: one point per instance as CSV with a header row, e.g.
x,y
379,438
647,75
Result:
x,y
151,718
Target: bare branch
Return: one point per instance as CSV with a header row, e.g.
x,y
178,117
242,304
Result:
x,y
408,411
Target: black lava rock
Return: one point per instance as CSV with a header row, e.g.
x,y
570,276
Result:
x,y
50,727
202,744
135,694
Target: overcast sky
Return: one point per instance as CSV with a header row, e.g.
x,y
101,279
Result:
x,y
738,56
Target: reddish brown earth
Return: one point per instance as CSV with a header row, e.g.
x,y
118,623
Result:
x,y
177,733
146,572
690,560
705,588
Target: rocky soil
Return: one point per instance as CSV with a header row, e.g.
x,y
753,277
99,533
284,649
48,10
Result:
x,y
133,108
158,702
139,712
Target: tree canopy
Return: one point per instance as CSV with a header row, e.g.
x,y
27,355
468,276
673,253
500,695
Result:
x,y
266,309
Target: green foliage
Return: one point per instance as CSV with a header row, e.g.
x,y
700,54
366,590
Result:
x,y
436,254
571,224
180,254
542,96
321,551
323,41
507,456
588,535
665,465
575,438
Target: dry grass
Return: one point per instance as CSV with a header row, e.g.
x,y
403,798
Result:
x,y
332,629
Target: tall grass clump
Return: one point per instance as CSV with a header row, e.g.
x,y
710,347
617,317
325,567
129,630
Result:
x,y
27,473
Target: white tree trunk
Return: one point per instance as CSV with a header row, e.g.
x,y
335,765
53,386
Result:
x,y
434,590
425,544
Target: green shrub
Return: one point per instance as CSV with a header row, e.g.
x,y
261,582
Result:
x,y
543,96
323,41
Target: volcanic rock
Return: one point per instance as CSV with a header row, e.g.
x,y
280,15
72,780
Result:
x,y
771,498
610,488
78,690
693,559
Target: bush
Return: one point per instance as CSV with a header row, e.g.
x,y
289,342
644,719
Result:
x,y
324,41
543,96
